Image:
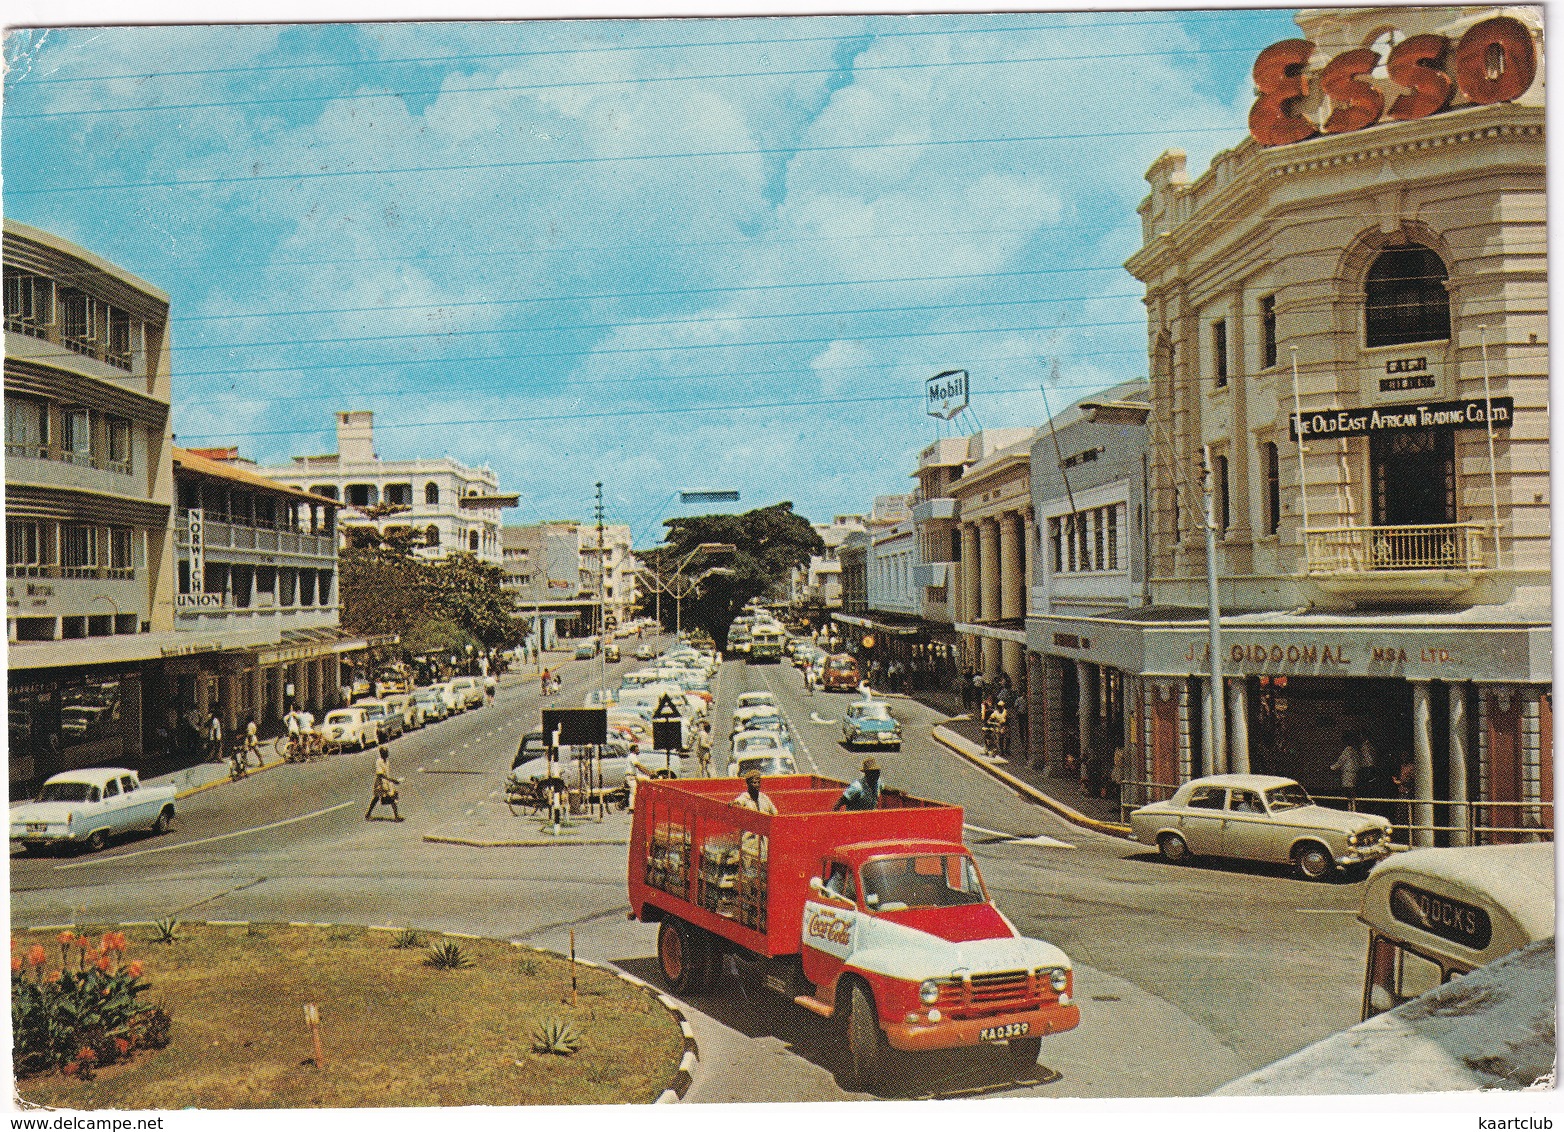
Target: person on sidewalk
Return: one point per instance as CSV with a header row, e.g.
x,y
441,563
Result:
x,y
491,687
863,793
1349,763
703,747
252,742
385,785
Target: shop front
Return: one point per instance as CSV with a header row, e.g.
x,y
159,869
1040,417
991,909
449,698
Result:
x,y
64,719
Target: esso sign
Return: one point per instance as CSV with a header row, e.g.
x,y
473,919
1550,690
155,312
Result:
x,y
1495,61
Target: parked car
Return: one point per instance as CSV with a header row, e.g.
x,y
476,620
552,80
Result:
x,y
645,652
534,745
402,703
586,650
470,689
388,722
1260,817
611,654
869,723
430,704
349,727
755,699
454,702
84,808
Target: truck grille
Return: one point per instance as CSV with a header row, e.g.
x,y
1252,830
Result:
x,y
993,993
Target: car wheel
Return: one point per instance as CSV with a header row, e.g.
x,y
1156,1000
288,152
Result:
x,y
865,1041
1313,861
1173,848
165,821
97,841
1024,1051
683,955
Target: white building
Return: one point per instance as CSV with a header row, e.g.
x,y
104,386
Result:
x,y
453,506
552,568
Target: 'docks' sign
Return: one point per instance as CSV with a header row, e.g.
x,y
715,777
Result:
x,y
1475,413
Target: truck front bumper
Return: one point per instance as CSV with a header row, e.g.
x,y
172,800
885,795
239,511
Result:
x,y
953,1033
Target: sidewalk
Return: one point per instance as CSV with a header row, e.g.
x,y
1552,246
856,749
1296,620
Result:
x,y
1064,791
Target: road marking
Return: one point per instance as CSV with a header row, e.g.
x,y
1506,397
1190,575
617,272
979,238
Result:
x,y
814,717
1042,840
797,736
206,840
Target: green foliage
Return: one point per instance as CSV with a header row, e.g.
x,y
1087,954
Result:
x,y
406,939
769,543
447,956
165,930
83,1014
529,967
557,1037
435,607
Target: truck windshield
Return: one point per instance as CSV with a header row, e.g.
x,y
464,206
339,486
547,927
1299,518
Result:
x,y
924,881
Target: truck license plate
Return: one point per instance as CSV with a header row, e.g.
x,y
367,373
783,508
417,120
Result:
x,y
1004,1033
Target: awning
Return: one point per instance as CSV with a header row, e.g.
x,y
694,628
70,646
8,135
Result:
x,y
994,632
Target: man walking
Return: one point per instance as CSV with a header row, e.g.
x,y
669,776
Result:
x,y
385,785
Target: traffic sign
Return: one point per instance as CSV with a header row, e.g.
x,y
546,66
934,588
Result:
x,y
666,734
665,708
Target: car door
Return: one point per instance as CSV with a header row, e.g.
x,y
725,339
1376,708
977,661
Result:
x,y
830,926
1200,821
1247,830
114,811
140,808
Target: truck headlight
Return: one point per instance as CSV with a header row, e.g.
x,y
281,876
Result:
x,y
928,992
1059,979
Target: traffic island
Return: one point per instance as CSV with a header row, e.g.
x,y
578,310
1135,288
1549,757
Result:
x,y
333,1016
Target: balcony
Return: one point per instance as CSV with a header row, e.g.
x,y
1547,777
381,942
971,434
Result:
x,y
1391,561
927,510
262,538
926,574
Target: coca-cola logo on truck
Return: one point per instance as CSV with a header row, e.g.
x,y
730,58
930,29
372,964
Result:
x,y
829,927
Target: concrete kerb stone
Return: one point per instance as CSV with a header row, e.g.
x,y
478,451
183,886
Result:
x,y
689,1060
479,843
966,750
223,780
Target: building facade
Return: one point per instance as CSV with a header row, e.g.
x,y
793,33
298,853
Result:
x,y
89,488
555,570
448,505
1347,332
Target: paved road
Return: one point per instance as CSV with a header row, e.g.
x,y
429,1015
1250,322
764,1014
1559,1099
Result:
x,y
1188,976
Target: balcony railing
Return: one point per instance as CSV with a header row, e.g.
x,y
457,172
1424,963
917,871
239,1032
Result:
x,y
1346,551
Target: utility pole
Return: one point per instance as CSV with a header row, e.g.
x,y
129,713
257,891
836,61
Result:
x,y
602,622
1214,625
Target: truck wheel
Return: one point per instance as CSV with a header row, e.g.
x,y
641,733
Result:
x,y
1313,861
1024,1051
683,956
866,1051
165,821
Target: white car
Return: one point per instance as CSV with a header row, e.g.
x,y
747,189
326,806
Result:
x,y
469,689
349,727
756,744
755,699
767,762
87,807
430,704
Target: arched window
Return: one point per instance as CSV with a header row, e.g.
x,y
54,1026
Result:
x,y
432,494
432,535
1405,298
472,541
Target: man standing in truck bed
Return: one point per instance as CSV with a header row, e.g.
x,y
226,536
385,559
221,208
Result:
x,y
863,793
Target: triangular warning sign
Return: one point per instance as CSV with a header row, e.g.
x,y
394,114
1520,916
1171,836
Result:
x,y
665,708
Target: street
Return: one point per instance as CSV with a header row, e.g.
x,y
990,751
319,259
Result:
x,y
1187,976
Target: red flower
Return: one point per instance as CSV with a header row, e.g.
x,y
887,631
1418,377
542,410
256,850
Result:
x,y
113,941
122,1045
86,1053
52,977
67,938
134,969
36,955
70,1069
16,964
82,941
105,963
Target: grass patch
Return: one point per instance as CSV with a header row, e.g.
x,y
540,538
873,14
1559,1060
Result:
x,y
395,1032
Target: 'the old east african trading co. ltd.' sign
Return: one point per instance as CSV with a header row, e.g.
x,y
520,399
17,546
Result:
x,y
1475,413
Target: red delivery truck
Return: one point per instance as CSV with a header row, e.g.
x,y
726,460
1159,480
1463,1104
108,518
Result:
x,y
875,919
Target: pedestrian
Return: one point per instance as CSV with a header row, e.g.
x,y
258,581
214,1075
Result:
x,y
1404,780
863,793
1349,763
966,689
1116,776
252,741
996,730
809,679
703,748
491,687
214,738
544,683
554,684
1018,714
385,785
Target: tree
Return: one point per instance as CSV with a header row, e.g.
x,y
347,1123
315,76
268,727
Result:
x,y
770,542
431,605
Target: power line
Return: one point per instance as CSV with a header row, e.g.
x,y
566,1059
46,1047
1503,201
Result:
x,y
640,80
621,48
268,178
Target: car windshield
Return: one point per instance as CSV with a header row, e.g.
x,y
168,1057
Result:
x,y
64,792
1289,797
928,880
870,711
764,722
757,743
773,764
755,699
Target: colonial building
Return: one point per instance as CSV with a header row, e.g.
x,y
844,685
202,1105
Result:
x,y
1347,330
89,487
1089,474
451,506
555,570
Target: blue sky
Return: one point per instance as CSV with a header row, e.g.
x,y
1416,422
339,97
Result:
x,y
664,254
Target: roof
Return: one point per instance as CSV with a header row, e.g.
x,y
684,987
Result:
x,y
1247,781
202,465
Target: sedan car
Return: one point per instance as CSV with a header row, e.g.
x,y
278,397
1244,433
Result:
x,y
84,808
870,723
388,721
645,652
753,744
1260,817
349,727
430,704
755,699
774,762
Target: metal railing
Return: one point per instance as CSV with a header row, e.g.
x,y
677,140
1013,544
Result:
x,y
1363,550
1469,823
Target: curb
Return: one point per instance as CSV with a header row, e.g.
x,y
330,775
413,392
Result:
x,y
688,1061
224,780
959,745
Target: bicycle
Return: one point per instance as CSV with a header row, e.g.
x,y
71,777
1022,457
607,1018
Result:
x,y
300,748
994,740
238,764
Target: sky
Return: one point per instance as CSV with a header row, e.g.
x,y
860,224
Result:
x,y
663,254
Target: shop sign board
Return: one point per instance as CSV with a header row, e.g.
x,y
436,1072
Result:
x,y
946,394
195,534
1474,412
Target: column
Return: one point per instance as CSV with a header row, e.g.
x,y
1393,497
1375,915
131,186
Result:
x,y
967,575
1010,659
988,552
1423,759
1238,724
1457,765
1009,570
990,648
1086,710
1055,738
1028,558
